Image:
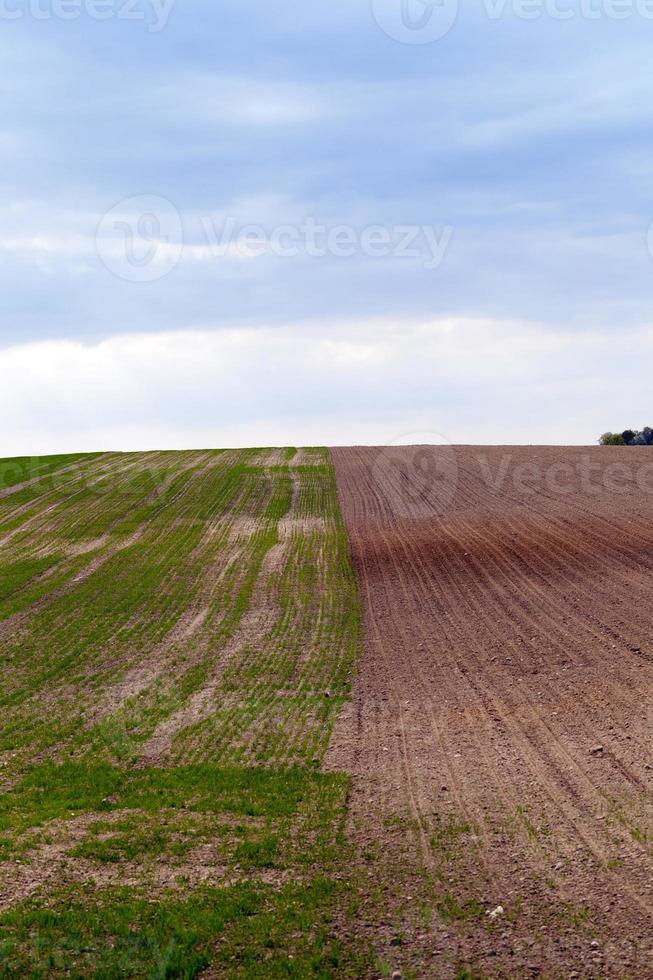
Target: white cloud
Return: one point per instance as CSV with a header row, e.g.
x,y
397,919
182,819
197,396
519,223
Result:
x,y
213,98
361,381
35,245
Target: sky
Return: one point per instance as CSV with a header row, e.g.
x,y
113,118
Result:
x,y
353,221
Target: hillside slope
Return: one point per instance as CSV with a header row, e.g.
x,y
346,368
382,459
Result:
x,y
178,632
500,735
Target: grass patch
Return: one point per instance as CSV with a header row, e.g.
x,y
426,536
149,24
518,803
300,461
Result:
x,y
242,931
452,909
449,834
534,831
52,791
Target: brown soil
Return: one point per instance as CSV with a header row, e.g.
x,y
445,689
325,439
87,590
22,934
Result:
x,y
499,735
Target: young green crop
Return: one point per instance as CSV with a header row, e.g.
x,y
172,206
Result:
x,y
178,633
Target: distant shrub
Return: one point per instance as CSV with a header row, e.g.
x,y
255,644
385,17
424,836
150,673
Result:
x,y
629,437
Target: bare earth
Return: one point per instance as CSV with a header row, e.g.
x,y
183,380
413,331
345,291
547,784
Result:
x,y
500,730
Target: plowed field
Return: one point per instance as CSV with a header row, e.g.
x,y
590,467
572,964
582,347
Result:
x,y
500,734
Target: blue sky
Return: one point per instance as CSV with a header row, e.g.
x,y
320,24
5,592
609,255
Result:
x,y
522,147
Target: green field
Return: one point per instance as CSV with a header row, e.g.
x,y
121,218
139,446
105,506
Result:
x,y
178,633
